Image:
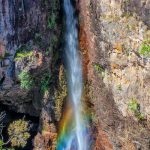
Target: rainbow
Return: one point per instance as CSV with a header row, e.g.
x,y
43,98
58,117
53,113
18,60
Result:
x,y
66,127
66,139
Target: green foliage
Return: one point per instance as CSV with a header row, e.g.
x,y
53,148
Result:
x,y
53,43
48,50
52,21
1,144
23,52
99,69
52,16
45,82
19,131
134,107
22,55
145,48
119,88
26,80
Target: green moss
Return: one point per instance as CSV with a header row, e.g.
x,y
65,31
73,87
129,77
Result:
x,y
52,16
134,107
145,48
26,80
99,69
45,82
2,145
52,21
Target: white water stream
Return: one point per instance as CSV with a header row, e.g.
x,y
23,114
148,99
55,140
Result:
x,y
77,140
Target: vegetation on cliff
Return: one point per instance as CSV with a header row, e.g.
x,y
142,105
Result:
x,y
145,48
26,80
116,36
18,133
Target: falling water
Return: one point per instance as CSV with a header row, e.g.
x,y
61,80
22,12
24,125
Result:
x,y
73,134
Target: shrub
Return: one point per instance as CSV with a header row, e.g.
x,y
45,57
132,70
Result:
x,y
1,144
22,55
26,80
134,107
52,15
145,48
99,69
60,93
52,21
19,131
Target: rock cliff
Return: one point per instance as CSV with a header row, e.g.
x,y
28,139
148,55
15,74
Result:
x,y
114,37
30,38
113,34
27,40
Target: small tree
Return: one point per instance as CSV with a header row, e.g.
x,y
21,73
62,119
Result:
x,y
134,107
18,132
145,48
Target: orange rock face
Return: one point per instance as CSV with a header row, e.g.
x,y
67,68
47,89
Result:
x,y
45,141
86,37
84,45
102,141
87,46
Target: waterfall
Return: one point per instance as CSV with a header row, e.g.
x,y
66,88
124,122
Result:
x,y
73,134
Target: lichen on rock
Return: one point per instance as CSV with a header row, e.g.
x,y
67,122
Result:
x,y
116,31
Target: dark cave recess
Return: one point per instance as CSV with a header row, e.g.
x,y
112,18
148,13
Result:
x,y
13,116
